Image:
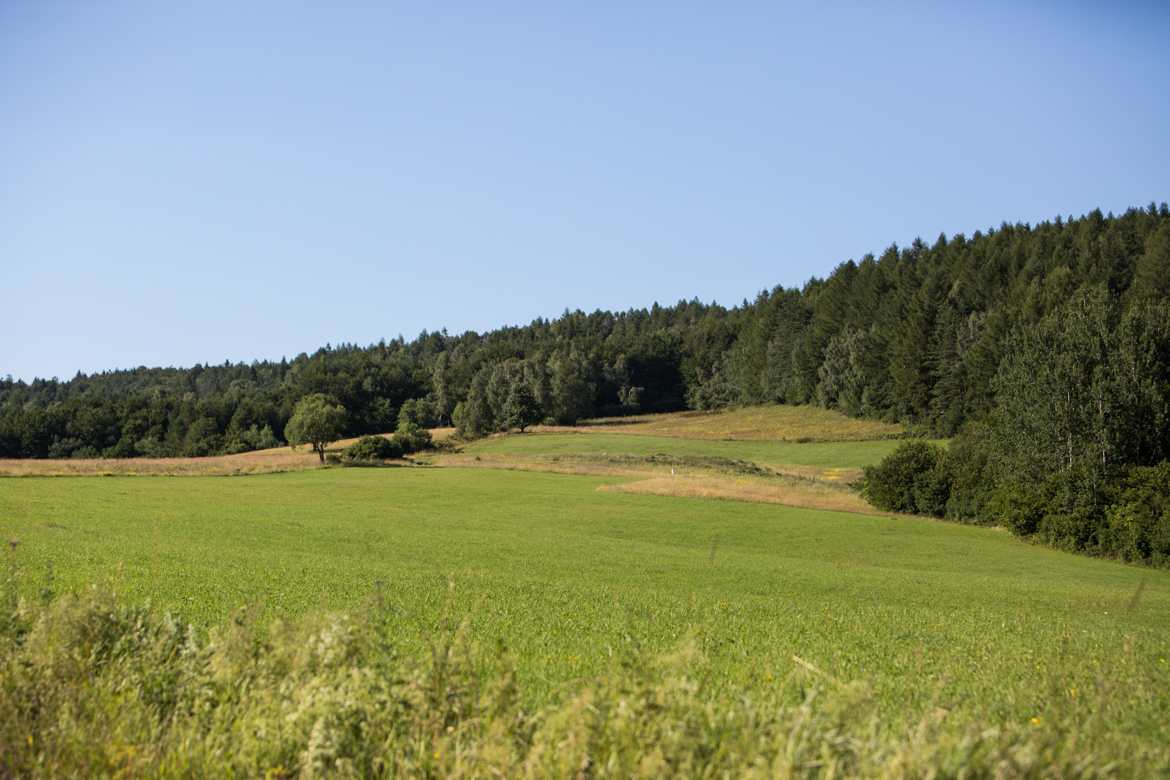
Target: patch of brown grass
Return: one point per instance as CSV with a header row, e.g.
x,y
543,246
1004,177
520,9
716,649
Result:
x,y
261,462
810,495
810,488
270,461
755,423
520,462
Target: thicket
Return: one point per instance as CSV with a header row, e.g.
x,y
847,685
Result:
x,y
93,688
1076,451
915,335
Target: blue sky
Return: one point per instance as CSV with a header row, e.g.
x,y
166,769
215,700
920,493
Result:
x,y
200,182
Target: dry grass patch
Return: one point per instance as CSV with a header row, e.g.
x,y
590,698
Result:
x,y
271,461
790,492
259,462
519,462
756,423
278,459
800,486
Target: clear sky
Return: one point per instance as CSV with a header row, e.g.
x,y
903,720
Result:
x,y
187,182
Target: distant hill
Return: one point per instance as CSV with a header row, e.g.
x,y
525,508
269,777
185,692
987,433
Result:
x,y
913,335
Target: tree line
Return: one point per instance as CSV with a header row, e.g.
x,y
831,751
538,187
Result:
x,y
920,334
1076,449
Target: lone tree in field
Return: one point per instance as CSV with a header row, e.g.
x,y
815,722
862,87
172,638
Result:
x,y
521,409
315,421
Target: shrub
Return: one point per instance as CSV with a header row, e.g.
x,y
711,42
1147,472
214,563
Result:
x,y
967,466
1017,508
1073,530
412,439
932,489
909,476
1137,524
373,448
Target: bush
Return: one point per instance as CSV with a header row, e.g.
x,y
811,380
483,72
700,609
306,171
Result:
x,y
1137,524
412,439
1017,508
967,467
373,448
1073,530
913,478
932,489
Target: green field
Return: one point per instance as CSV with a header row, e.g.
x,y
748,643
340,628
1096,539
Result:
x,y
846,455
891,646
560,574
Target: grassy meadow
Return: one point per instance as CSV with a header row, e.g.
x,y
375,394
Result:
x,y
914,636
822,456
753,423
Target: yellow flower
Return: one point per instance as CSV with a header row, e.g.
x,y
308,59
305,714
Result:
x,y
1035,720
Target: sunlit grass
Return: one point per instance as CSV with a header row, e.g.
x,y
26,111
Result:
x,y
984,626
825,458
752,423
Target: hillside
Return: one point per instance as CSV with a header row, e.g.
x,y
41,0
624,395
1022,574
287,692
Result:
x,y
913,335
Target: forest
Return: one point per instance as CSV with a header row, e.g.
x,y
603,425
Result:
x,y
916,335
1042,352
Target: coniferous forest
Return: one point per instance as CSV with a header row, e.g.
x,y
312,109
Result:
x,y
1042,352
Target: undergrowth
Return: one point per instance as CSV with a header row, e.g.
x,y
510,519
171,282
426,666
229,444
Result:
x,y
96,688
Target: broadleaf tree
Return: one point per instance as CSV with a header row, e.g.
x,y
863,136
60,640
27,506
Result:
x,y
317,420
521,408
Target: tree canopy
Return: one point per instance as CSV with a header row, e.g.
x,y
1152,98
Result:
x,y
521,409
317,420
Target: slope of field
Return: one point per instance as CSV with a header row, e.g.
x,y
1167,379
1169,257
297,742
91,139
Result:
x,y
751,423
798,456
820,456
965,619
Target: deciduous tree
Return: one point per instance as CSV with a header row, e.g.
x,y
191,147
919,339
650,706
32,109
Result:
x,y
318,421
